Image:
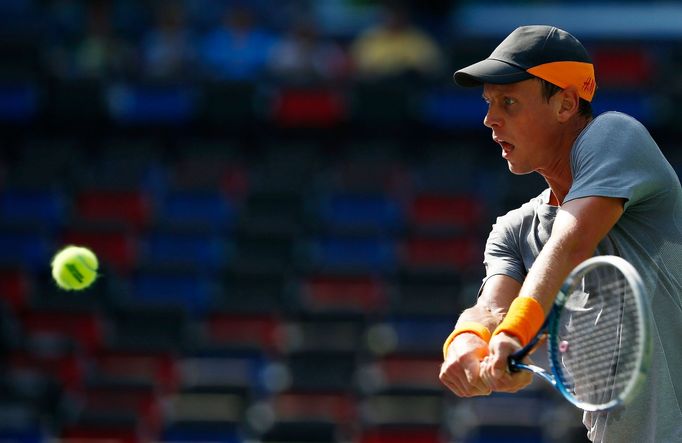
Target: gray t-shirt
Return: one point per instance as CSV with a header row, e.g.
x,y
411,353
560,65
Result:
x,y
615,156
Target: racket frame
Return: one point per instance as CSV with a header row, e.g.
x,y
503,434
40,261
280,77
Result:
x,y
549,329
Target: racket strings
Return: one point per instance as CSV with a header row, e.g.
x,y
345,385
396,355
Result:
x,y
598,341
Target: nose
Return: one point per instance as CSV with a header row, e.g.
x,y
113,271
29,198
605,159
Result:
x,y
492,118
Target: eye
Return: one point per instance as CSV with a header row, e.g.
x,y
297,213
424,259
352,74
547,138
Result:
x,y
509,101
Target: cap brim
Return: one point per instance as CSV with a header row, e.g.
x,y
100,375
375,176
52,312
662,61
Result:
x,y
490,71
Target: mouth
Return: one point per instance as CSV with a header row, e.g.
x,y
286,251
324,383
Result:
x,y
507,147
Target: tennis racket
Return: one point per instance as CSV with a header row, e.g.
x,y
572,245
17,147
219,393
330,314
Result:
x,y
598,336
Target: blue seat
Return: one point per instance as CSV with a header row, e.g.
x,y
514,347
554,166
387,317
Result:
x,y
18,102
28,249
421,333
193,249
32,435
201,432
188,290
370,253
196,208
361,211
45,207
155,104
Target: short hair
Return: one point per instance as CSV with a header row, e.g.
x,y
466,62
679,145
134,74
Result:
x,y
549,89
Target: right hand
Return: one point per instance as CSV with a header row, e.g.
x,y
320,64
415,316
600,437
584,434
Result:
x,y
460,372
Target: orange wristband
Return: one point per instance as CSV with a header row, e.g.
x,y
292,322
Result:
x,y
524,319
466,326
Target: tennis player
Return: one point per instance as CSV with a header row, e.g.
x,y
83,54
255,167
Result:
x,y
610,191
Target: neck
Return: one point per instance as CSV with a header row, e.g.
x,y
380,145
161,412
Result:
x,y
559,176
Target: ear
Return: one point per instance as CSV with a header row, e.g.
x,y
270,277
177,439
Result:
x,y
568,103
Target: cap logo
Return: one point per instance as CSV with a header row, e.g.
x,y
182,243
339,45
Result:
x,y
565,74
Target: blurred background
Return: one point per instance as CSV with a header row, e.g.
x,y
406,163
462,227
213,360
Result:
x,y
289,200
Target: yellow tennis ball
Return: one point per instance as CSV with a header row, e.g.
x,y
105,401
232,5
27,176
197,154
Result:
x,y
74,268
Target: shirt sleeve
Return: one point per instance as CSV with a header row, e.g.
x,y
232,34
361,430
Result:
x,y
502,250
616,157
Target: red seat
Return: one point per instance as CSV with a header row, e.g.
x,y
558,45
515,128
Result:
x,y
130,208
84,328
623,67
410,371
339,408
143,403
68,369
14,288
309,107
156,368
461,212
115,247
403,435
341,292
100,434
261,331
462,253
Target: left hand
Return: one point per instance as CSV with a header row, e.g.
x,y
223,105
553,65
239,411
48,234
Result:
x,y
494,370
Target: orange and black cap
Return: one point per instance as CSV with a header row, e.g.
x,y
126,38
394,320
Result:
x,y
540,51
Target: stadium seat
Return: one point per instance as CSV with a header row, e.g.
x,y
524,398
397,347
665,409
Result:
x,y
151,104
419,334
19,101
409,407
322,370
26,247
347,253
335,331
228,104
264,251
254,291
309,108
68,369
403,434
86,328
430,291
409,372
158,369
130,208
115,247
150,328
44,206
360,212
237,371
461,253
202,432
192,249
461,213
200,209
306,431
352,292
98,404
15,286
187,289
335,407
260,331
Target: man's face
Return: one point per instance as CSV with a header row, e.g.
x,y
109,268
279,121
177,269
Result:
x,y
524,124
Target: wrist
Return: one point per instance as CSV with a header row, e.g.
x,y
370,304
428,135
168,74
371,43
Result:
x,y
523,320
466,327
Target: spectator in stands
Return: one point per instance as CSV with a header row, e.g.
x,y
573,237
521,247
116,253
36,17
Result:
x,y
168,48
237,49
302,56
100,54
395,46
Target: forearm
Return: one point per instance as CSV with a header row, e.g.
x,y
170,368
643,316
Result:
x,y
493,302
575,235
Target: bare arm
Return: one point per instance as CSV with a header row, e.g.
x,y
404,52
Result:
x,y
578,228
461,370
